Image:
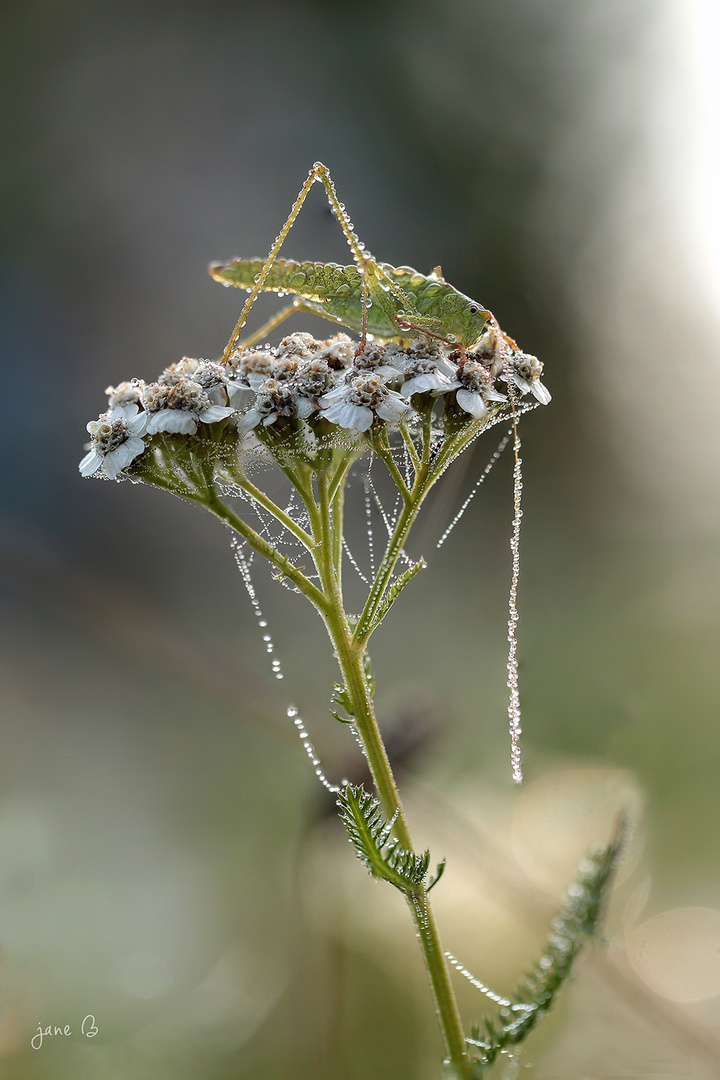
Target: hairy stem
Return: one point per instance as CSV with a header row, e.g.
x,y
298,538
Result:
x,y
214,503
238,477
350,657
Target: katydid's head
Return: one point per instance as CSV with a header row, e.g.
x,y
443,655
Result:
x,y
462,317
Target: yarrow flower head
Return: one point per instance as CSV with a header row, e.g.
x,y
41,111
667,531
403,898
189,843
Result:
x,y
524,372
361,397
115,442
274,398
475,387
125,399
425,374
180,407
300,391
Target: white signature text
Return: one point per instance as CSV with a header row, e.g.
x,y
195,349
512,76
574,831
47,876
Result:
x,y
88,1028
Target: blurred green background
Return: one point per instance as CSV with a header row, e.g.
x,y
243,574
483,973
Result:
x,y
168,863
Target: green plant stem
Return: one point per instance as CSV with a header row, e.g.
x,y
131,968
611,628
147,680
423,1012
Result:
x,y
423,482
410,446
381,446
350,656
337,513
439,975
426,475
326,523
238,477
214,503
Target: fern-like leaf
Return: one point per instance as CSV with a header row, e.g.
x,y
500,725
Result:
x,y
370,833
341,698
341,694
390,597
578,920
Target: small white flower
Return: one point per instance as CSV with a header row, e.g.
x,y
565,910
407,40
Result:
x,y
249,420
257,363
239,393
275,398
181,369
212,378
355,402
338,351
280,368
241,363
472,402
124,399
115,442
525,371
490,348
426,373
378,358
298,346
178,408
475,387
311,381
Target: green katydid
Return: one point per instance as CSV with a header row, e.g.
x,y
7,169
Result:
x,y
369,296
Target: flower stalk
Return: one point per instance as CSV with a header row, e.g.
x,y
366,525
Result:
x,y
349,650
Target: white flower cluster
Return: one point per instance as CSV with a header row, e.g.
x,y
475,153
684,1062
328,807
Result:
x,y
303,379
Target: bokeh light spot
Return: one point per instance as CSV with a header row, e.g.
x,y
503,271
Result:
x,y
677,953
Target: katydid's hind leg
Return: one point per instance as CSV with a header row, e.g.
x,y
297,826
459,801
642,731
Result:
x,y
272,256
302,306
361,256
365,261
365,305
367,264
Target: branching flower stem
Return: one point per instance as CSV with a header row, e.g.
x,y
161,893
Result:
x,y
321,486
212,501
349,653
427,472
325,545
239,478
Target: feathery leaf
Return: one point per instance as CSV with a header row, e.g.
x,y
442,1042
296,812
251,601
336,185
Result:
x,y
365,629
578,920
370,833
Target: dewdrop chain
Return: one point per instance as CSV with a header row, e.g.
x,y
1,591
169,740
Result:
x,y
292,712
